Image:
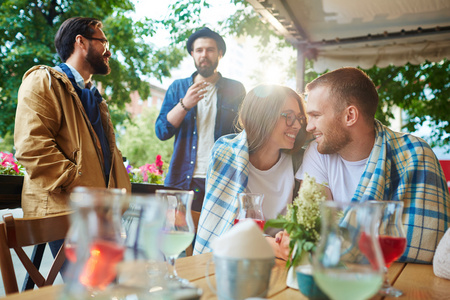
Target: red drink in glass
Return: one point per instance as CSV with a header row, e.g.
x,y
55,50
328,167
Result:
x,y
100,268
260,223
366,247
392,248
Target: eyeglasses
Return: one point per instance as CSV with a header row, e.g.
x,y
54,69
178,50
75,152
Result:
x,y
103,41
291,117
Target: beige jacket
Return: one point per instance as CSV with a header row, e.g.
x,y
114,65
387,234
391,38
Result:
x,y
57,145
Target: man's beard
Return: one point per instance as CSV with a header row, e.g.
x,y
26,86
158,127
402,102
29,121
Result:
x,y
208,70
334,140
95,59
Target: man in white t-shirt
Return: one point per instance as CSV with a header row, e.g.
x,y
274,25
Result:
x,y
338,175
358,159
343,129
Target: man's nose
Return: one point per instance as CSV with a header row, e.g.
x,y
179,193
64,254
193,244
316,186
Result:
x,y
310,127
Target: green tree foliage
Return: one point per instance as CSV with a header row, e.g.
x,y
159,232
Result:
x,y
184,19
7,143
27,30
422,91
139,143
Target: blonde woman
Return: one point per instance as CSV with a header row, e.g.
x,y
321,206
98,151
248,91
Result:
x,y
262,158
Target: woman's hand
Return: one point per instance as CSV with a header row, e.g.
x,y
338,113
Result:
x,y
280,244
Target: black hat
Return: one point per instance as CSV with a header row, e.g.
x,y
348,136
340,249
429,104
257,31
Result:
x,y
206,32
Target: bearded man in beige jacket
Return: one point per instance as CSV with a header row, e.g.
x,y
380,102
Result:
x,y
63,132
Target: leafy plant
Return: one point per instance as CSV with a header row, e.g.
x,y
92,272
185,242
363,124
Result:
x,y
148,173
302,220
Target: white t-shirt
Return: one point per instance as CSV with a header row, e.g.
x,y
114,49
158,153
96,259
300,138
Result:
x,y
277,185
206,122
340,175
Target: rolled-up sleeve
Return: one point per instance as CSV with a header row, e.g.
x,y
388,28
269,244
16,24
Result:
x,y
163,128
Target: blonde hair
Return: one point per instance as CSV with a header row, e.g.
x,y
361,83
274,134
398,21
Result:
x,y
260,111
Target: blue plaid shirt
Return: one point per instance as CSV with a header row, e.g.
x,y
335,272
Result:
x,y
226,177
403,167
230,94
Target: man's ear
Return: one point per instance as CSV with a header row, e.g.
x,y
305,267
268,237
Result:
x,y
79,42
351,115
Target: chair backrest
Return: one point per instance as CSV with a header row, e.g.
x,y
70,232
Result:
x,y
23,232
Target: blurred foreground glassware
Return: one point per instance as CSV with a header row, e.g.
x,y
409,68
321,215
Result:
x,y
348,263
250,207
94,244
178,229
143,266
392,240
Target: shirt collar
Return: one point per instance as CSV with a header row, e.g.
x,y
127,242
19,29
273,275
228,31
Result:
x,y
78,78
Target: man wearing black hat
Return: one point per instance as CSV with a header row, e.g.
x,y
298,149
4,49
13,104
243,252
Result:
x,y
198,110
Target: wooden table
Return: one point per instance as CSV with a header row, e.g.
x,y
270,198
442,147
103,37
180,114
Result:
x,y
415,280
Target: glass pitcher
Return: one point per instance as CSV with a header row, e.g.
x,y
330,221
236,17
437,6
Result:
x,y
95,241
250,206
348,262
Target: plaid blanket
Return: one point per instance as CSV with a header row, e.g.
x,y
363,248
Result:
x,y
227,176
403,167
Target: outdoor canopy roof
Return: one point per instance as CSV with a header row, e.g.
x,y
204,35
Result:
x,y
364,33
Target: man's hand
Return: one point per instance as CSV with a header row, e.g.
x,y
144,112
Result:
x,y
194,94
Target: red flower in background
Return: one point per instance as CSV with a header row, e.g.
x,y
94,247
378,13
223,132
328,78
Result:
x,y
159,164
149,168
8,164
148,173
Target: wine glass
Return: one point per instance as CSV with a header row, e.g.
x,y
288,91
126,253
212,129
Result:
x,y
392,239
178,229
250,207
348,264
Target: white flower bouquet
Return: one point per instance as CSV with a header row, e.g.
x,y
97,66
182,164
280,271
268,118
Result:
x,y
302,220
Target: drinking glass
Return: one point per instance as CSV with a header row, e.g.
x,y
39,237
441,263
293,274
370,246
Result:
x,y
143,266
250,207
348,264
178,229
94,244
392,239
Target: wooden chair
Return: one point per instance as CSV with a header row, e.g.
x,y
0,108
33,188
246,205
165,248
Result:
x,y
195,218
23,232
